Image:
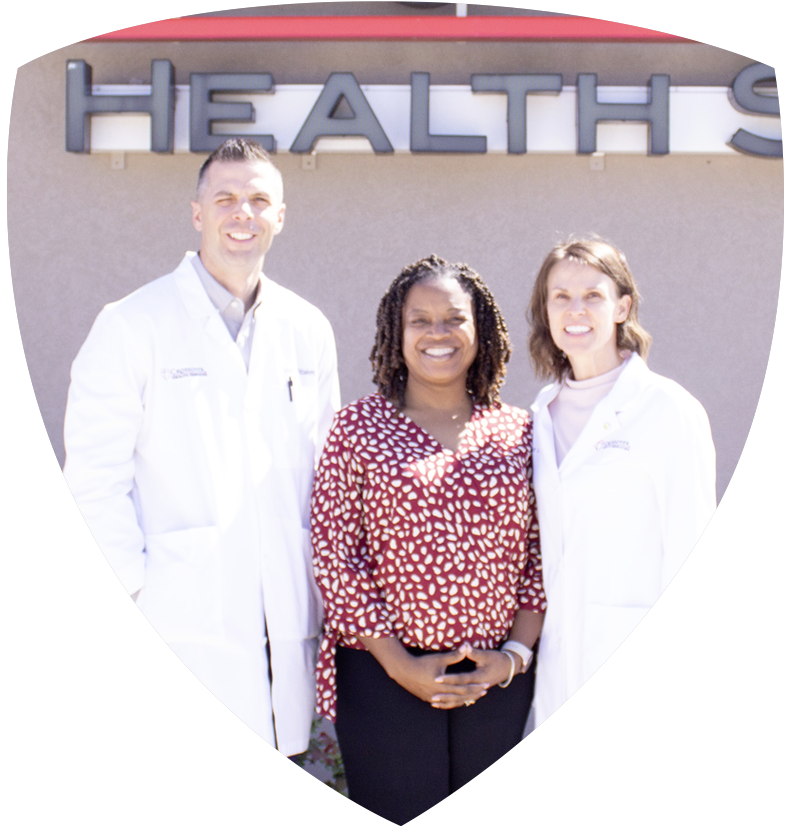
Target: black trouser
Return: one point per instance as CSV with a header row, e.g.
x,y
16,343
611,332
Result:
x,y
401,756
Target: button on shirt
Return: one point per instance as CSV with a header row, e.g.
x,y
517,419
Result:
x,y
240,324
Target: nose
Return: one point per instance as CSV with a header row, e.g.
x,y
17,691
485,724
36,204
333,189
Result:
x,y
576,306
438,329
243,210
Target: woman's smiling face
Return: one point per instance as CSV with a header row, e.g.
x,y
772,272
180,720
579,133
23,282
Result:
x,y
439,341
583,309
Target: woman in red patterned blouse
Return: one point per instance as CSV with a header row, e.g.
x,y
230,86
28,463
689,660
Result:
x,y
426,551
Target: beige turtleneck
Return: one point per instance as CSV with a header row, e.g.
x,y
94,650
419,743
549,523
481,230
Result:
x,y
572,407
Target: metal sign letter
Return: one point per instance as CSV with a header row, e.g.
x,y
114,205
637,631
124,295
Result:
x,y
591,111
204,112
421,141
744,98
516,87
80,103
321,120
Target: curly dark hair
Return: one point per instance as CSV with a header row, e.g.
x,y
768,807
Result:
x,y
488,371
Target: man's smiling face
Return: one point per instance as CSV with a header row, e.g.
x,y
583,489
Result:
x,y
238,210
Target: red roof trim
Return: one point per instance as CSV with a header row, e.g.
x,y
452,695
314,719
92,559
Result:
x,y
431,28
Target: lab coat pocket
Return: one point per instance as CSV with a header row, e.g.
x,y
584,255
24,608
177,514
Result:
x,y
180,596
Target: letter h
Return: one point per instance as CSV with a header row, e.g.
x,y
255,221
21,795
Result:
x,y
591,111
81,103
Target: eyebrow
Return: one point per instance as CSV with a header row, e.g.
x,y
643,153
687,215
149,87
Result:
x,y
414,310
226,193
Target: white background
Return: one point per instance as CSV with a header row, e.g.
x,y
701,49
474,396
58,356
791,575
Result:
x,y
103,729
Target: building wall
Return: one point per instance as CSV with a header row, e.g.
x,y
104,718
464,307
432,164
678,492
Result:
x,y
703,233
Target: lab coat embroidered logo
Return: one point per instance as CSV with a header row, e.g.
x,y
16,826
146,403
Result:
x,y
182,372
603,444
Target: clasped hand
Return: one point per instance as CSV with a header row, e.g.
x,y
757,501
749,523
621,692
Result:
x,y
426,676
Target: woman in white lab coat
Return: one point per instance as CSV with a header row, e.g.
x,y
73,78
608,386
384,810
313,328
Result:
x,y
624,465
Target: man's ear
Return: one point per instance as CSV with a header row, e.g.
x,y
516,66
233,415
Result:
x,y
281,217
196,215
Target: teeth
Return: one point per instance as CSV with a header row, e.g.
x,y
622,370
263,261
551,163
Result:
x,y
439,351
238,235
579,329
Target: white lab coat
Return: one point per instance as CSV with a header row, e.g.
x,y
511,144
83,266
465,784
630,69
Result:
x,y
194,477
617,519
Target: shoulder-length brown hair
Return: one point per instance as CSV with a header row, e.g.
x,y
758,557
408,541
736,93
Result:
x,y
550,362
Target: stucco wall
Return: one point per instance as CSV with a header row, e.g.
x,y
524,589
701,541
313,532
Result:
x,y
703,233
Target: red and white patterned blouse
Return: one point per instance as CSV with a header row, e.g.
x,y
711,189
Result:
x,y
416,541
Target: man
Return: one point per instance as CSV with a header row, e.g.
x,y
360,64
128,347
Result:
x,y
197,407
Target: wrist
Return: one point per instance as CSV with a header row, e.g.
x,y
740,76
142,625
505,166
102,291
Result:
x,y
514,664
522,653
397,662
388,652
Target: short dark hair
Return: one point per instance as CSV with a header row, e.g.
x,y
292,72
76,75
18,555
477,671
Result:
x,y
548,360
488,371
236,149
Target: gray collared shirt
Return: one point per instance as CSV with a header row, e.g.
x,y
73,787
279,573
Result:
x,y
240,324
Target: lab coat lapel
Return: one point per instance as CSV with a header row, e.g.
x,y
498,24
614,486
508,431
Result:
x,y
268,402
200,307
604,420
227,384
547,483
263,406
545,466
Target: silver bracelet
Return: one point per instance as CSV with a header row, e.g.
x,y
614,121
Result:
x,y
523,652
511,672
